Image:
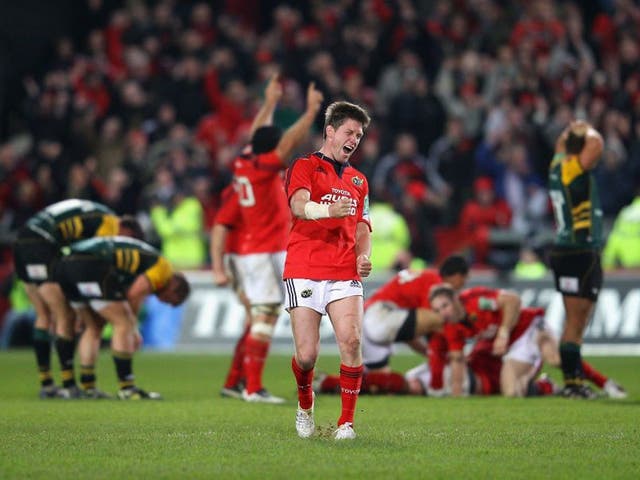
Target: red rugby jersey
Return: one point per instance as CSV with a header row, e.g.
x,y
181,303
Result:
x,y
483,316
263,204
325,249
407,289
229,215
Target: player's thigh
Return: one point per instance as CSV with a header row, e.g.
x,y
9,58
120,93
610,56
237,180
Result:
x,y
514,375
305,325
117,313
90,320
39,305
549,348
58,305
53,294
346,317
526,348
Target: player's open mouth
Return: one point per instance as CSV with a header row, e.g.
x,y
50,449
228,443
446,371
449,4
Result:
x,y
348,149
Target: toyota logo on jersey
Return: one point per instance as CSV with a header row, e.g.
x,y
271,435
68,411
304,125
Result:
x,y
329,198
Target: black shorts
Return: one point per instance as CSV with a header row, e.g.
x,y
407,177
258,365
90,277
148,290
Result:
x,y
578,273
34,257
407,331
84,277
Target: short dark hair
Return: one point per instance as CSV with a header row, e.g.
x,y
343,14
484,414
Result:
x,y
574,143
132,224
339,112
265,139
182,287
453,265
442,289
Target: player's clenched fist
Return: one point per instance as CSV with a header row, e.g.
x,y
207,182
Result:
x,y
363,265
340,209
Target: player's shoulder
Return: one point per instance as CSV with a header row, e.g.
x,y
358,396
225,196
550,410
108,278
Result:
x,y
242,160
308,158
306,163
431,274
357,178
475,292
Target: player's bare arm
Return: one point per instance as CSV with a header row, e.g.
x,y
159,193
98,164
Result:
x,y
302,207
593,146
592,150
363,249
458,367
272,94
297,132
138,291
509,304
218,240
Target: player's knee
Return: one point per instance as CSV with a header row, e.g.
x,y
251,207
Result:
x,y
510,390
509,393
306,360
262,330
352,343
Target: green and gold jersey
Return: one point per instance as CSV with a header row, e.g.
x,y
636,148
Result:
x,y
576,203
130,258
72,220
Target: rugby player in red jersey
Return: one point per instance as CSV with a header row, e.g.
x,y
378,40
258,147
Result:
x,y
327,255
266,219
505,337
226,235
478,314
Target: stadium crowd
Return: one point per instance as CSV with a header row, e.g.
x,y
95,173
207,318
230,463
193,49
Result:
x,y
148,102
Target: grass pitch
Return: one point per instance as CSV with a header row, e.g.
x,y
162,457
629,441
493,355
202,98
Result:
x,y
194,433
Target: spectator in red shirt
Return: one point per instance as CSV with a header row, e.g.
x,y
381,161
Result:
x,y
481,214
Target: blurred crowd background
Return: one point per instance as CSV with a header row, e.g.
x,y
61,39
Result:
x,y
142,105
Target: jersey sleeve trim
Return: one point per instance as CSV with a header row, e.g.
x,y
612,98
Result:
x,y
159,273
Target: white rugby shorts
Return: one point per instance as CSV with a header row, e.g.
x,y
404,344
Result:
x,y
260,276
317,294
380,325
525,349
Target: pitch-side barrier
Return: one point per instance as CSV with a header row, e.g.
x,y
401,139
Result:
x,y
213,318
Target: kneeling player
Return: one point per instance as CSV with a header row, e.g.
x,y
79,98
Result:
x,y
493,318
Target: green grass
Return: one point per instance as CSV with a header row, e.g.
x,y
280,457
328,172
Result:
x,y
194,433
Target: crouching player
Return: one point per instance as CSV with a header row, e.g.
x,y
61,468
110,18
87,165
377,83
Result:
x,y
37,248
111,276
505,339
